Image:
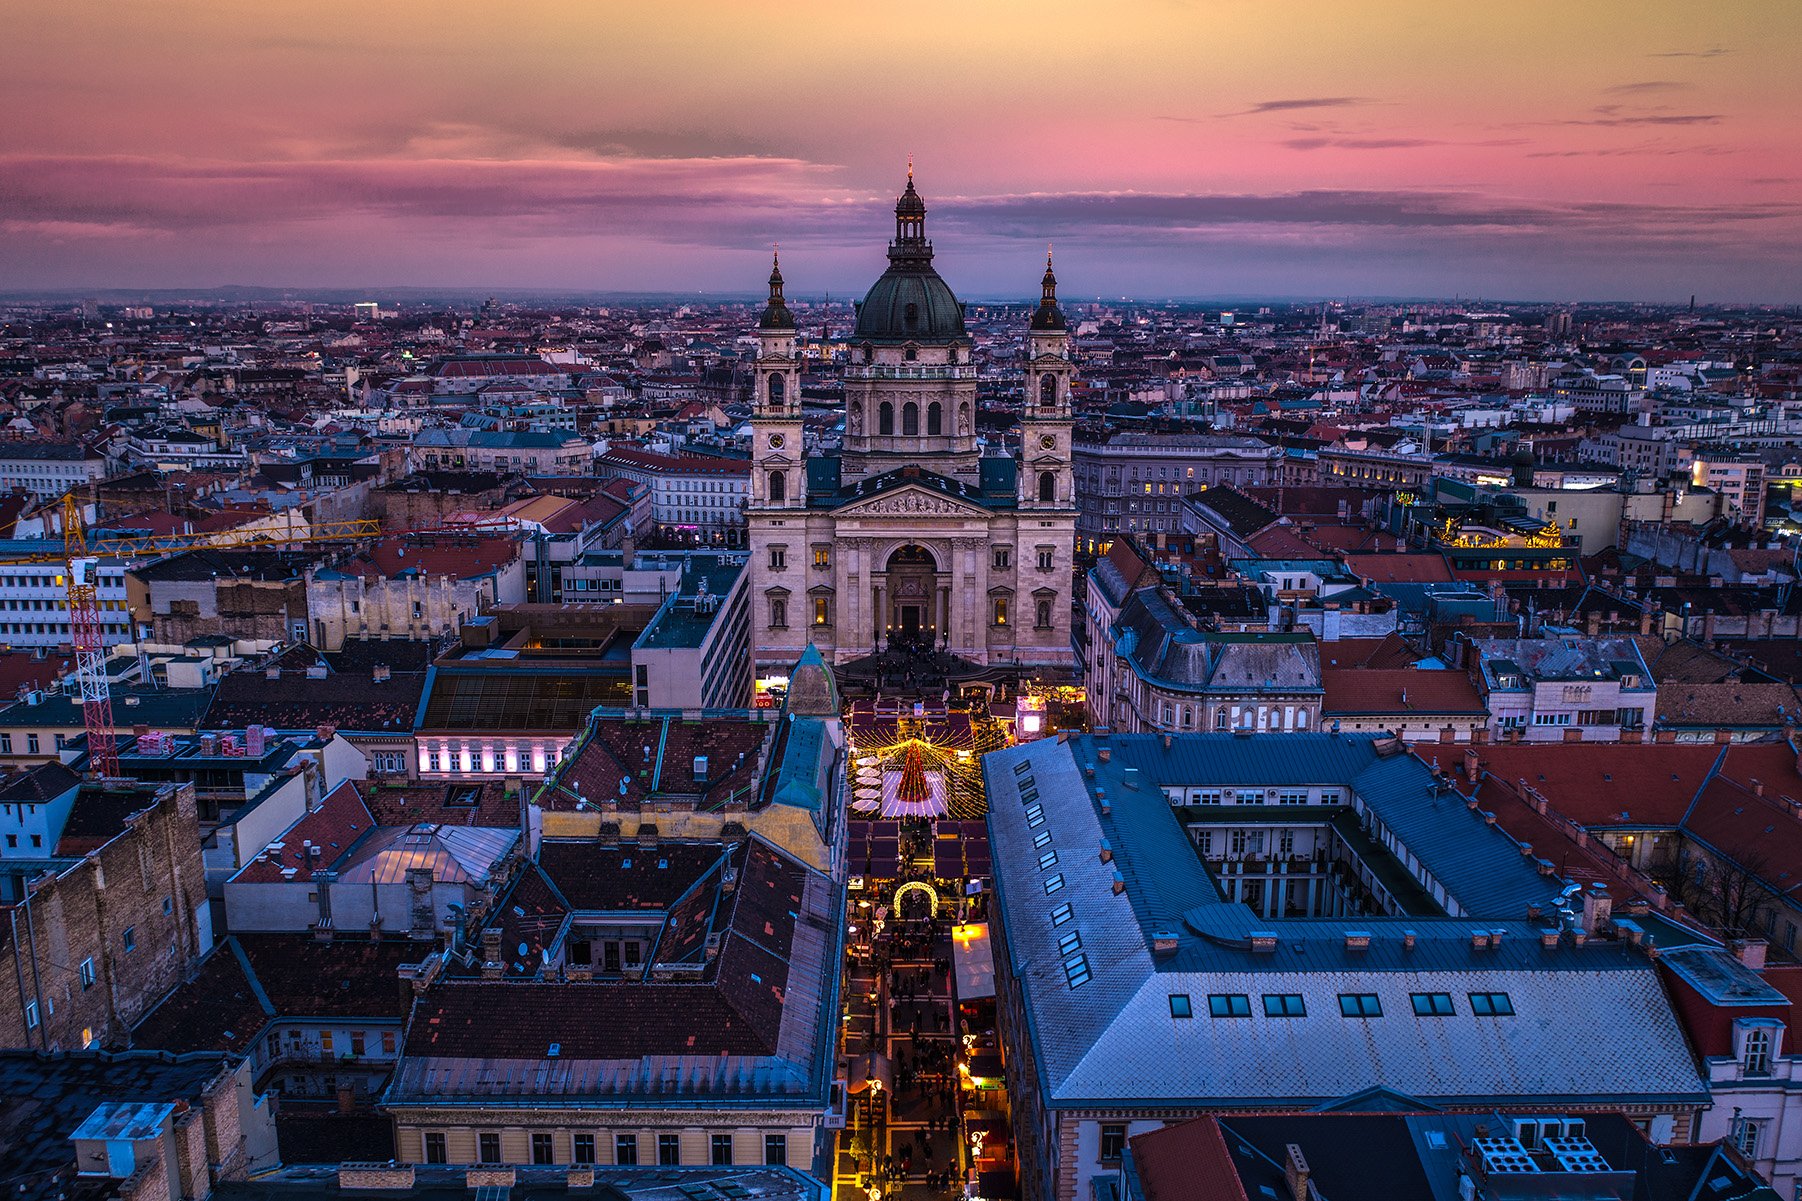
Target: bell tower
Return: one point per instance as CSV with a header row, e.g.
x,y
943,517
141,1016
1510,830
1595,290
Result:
x,y
1046,481
778,479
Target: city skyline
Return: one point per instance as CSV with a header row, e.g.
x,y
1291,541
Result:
x,y
1174,150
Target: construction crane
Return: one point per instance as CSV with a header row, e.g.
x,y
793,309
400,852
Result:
x,y
81,560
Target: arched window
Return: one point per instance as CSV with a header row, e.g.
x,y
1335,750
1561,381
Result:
x,y
776,389
935,418
1048,390
1047,486
778,487
912,352
885,418
954,354
869,353
910,419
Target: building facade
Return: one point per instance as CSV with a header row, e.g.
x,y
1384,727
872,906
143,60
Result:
x,y
1135,482
912,534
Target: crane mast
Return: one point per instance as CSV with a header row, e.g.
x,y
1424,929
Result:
x,y
85,631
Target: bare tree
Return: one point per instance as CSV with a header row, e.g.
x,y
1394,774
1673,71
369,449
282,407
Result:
x,y
1726,891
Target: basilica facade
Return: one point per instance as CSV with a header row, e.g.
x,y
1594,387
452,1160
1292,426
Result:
x,y
912,535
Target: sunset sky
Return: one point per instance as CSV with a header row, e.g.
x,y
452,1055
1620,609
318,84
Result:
x,y
1573,150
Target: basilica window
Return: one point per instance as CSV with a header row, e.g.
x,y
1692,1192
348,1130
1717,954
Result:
x,y
822,556
778,487
1047,558
1000,610
1003,558
1048,390
910,419
776,387
885,418
1047,486
778,557
935,418
822,613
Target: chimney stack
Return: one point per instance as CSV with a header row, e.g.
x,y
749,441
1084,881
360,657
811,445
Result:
x,y
1295,1172
1472,766
1598,909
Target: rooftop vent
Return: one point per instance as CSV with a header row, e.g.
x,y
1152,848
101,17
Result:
x,y
1263,941
1163,942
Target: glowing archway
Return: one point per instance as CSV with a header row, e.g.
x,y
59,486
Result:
x,y
932,898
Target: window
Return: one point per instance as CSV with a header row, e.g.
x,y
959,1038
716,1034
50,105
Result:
x,y
358,1042
1180,1006
1054,883
1003,558
542,1152
910,420
1360,1005
31,1015
434,1147
778,613
1756,1051
935,418
1070,943
1047,486
1047,390
722,1150
778,487
1076,970
582,1148
325,1041
669,1150
1041,840
1491,1005
488,1147
1433,1005
1746,1135
388,1042
6,744
31,740
1113,1142
1048,859
625,1150
885,418
1001,610
778,558
822,615
775,1146
87,973
1229,1005
1047,558
1292,797
1062,914
822,556
1284,1005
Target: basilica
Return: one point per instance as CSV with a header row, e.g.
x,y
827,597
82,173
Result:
x,y
915,534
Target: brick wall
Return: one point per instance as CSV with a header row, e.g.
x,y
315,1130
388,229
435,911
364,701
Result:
x,y
68,943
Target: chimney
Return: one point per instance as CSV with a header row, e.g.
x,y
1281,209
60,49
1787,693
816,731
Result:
x,y
1471,766
1757,787
492,967
1295,1172
1750,951
1548,938
1598,909
1409,938
380,674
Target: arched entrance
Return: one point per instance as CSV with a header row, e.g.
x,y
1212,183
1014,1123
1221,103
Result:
x,y
912,605
911,888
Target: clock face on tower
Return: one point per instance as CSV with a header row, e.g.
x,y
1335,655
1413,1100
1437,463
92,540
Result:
x,y
1047,442
777,441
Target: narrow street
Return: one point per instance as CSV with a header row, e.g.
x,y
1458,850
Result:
x,y
904,1134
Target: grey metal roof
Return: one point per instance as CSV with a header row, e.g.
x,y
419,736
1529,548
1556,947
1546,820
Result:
x,y
1110,1038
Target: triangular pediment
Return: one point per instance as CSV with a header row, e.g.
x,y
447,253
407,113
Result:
x,y
909,500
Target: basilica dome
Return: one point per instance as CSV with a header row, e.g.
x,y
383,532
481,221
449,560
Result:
x,y
910,303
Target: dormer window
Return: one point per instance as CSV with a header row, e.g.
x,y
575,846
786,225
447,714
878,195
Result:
x,y
1758,1042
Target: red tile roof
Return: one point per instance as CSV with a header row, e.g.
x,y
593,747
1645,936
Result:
x,y
1399,569
1402,692
341,819
1608,784
1187,1162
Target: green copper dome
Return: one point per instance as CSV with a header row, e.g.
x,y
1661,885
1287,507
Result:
x,y
910,303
